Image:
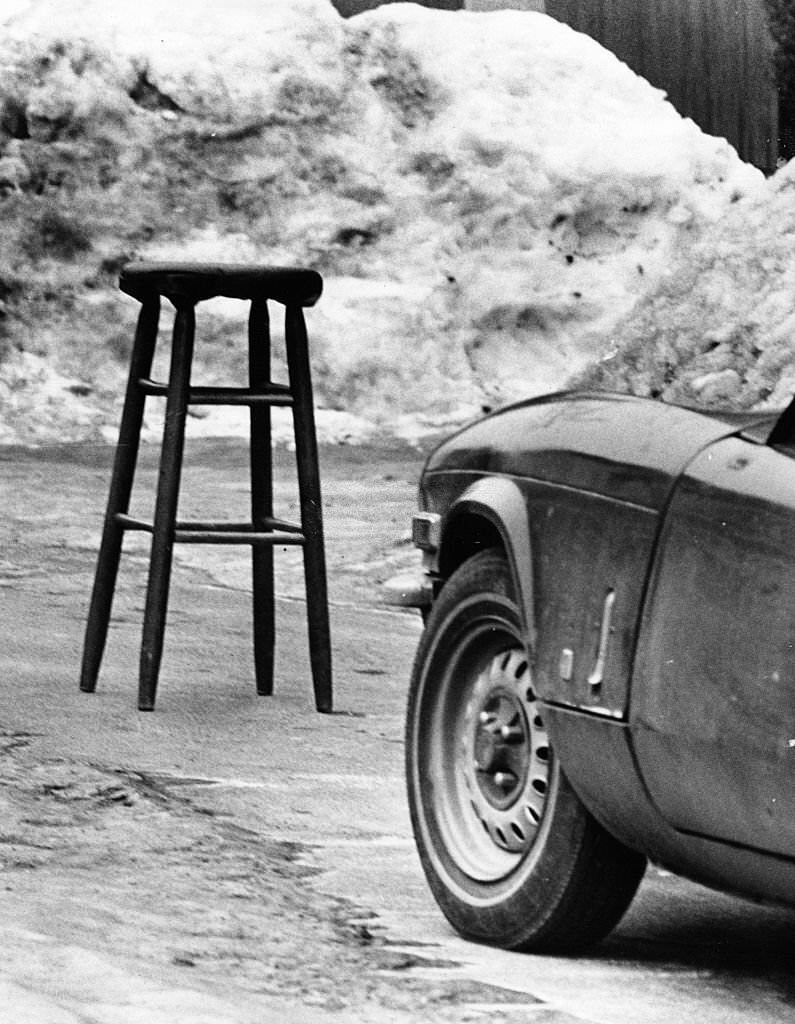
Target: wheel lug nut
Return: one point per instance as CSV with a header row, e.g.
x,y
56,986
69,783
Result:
x,y
505,780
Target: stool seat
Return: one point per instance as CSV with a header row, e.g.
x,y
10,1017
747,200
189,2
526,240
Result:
x,y
196,282
185,285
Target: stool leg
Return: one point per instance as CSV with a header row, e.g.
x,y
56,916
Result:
x,y
119,496
166,505
311,511
259,372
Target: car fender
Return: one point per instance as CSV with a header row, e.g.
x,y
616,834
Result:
x,y
500,502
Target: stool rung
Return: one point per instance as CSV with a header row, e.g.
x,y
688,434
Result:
x,y
275,531
248,536
274,394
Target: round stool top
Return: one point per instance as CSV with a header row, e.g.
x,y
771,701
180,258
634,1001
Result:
x,y
194,282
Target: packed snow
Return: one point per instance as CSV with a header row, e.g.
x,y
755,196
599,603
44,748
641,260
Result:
x,y
498,206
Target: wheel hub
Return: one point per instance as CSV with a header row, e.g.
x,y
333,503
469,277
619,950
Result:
x,y
500,748
504,752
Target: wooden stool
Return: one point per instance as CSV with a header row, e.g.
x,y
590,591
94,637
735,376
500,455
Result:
x,y
185,285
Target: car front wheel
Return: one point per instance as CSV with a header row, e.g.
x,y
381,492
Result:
x,y
512,856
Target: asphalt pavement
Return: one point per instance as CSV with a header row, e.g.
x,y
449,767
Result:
x,y
236,858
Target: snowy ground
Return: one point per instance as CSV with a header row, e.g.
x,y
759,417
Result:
x,y
497,205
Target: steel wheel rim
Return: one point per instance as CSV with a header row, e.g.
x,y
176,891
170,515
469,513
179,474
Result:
x,y
488,754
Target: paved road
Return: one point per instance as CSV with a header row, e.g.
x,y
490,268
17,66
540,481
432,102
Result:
x,y
328,789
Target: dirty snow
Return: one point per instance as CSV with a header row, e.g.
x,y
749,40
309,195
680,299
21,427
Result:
x,y
497,205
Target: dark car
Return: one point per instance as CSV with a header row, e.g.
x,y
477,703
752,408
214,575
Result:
x,y
607,670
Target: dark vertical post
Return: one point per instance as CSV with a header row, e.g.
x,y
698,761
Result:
x,y
311,511
259,372
166,504
119,495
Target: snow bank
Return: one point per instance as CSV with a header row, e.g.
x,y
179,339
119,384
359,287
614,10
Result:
x,y
495,201
718,329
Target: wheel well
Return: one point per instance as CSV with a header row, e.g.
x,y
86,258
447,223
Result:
x,y
466,536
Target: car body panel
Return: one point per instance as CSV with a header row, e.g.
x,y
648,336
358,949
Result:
x,y
715,681
593,474
599,760
607,547
630,450
589,550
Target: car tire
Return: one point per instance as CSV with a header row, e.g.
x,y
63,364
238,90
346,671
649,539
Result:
x,y
512,856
